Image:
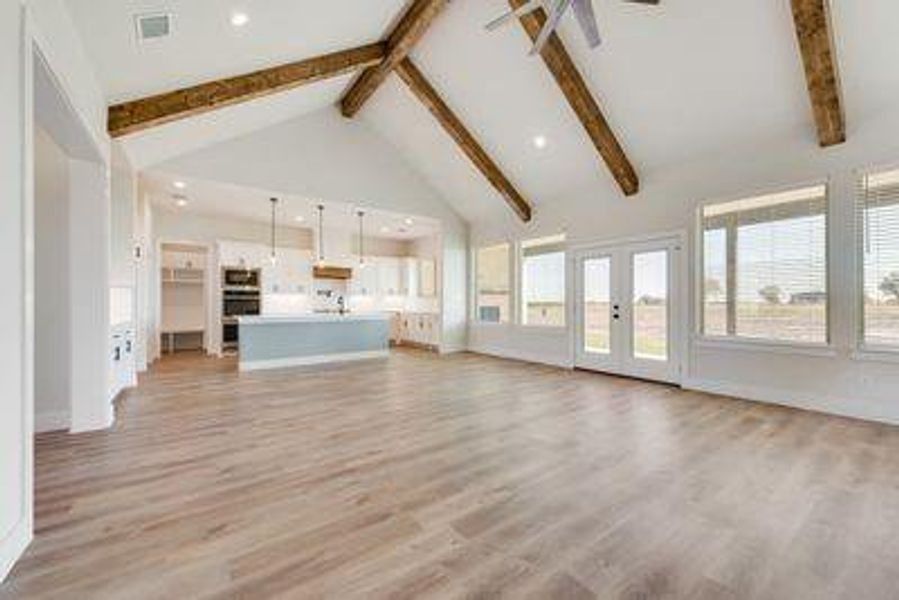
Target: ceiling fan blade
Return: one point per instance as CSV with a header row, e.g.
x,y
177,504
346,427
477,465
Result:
x,y
586,18
512,14
552,21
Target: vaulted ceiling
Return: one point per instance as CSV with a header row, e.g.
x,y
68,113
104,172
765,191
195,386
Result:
x,y
678,82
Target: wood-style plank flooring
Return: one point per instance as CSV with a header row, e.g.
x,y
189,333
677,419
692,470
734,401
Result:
x,y
458,477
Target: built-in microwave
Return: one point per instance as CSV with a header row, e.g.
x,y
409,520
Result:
x,y
240,278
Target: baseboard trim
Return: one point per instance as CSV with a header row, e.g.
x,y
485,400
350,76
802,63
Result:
x,y
51,421
13,545
94,422
304,361
522,357
831,405
451,349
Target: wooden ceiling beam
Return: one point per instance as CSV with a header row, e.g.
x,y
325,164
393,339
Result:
x,y
425,92
137,115
410,28
572,84
813,31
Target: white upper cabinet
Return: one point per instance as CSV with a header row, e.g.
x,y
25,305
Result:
x,y
243,255
410,276
427,278
291,273
365,279
390,279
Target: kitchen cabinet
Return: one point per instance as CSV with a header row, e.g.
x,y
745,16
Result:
x,y
390,276
122,373
187,261
243,255
427,278
420,330
409,273
291,274
365,281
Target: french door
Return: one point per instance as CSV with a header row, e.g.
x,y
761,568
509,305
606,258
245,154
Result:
x,y
629,312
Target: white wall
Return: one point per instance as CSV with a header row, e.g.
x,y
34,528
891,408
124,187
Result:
x,y
15,409
44,24
323,155
835,382
143,241
54,32
184,226
89,265
123,195
51,285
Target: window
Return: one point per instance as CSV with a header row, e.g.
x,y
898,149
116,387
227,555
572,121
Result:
x,y
879,214
494,298
543,282
765,267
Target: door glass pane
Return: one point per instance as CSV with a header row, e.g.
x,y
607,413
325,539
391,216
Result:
x,y
597,318
650,311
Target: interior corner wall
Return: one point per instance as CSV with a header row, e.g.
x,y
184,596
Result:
x,y
90,341
15,423
143,236
52,373
841,382
123,195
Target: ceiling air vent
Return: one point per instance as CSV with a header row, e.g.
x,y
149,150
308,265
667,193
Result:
x,y
153,26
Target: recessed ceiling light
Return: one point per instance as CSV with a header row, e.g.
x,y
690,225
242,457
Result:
x,y
540,142
181,202
239,19
408,221
385,229
180,185
299,218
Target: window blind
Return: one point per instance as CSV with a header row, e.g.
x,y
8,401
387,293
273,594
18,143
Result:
x,y
543,281
493,284
765,267
878,211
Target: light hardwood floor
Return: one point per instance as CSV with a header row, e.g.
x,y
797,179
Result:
x,y
463,476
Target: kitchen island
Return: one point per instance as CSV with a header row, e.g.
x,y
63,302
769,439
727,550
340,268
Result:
x,y
279,341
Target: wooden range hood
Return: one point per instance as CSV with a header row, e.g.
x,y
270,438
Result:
x,y
326,272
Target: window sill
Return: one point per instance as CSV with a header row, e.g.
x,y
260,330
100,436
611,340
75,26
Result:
x,y
876,354
773,347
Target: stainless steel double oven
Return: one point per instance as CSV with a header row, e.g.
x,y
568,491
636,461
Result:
x,y
241,296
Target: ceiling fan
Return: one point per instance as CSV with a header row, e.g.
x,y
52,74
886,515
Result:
x,y
555,9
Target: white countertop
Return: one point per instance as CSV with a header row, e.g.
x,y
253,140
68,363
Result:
x,y
312,318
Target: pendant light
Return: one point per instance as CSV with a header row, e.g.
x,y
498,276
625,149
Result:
x,y
273,257
361,215
321,235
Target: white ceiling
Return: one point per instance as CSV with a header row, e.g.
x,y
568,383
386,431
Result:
x,y
685,80
216,198
205,46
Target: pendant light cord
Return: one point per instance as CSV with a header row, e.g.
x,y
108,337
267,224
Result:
x,y
321,233
274,202
361,239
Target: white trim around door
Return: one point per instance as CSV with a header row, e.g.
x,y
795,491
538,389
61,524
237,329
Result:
x,y
630,307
